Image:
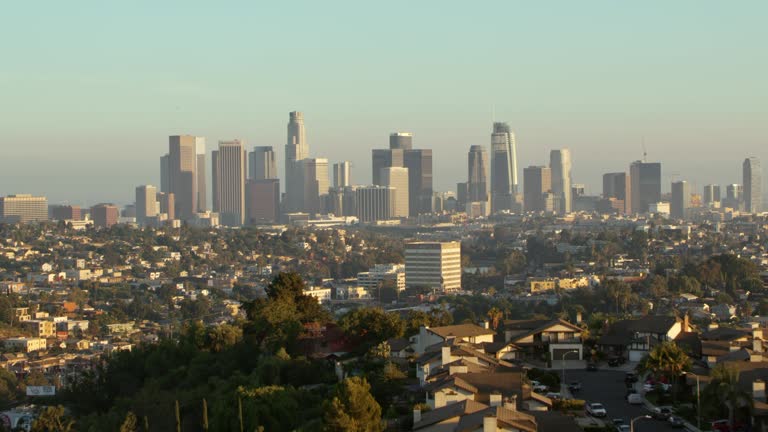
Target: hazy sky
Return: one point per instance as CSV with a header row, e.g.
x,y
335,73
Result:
x,y
92,89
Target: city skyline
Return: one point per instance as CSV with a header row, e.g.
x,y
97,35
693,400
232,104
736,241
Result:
x,y
68,95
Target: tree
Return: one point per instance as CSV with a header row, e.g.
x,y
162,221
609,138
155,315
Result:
x,y
666,359
53,419
725,379
495,316
353,408
131,423
372,325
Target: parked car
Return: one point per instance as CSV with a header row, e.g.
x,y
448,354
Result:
x,y
574,387
675,421
635,399
661,413
722,426
617,421
591,367
554,395
651,387
538,387
596,410
630,378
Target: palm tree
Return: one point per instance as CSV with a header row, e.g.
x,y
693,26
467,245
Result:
x,y
666,359
729,393
495,316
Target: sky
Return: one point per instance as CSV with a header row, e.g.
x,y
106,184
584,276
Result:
x,y
91,90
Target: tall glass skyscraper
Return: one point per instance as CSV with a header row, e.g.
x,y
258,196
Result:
x,y
560,163
296,149
753,185
503,167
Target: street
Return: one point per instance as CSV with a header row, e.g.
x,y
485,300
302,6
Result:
x,y
607,387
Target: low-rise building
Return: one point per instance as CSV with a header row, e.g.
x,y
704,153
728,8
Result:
x,y
24,344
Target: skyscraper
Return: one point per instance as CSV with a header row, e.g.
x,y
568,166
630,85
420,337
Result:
x,y
401,140
23,208
681,200
167,205
215,181
560,164
341,174
261,163
419,164
753,185
397,178
202,179
616,186
262,201
537,183
384,158
146,203
230,182
182,174
374,203
105,215
734,196
503,167
296,149
165,174
645,179
65,212
477,177
314,172
711,194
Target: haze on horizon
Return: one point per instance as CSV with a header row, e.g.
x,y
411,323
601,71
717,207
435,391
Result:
x,y
91,90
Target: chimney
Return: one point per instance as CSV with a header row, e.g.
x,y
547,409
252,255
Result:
x,y
578,317
757,345
439,399
686,323
758,390
489,424
495,399
486,324
446,358
416,415
511,403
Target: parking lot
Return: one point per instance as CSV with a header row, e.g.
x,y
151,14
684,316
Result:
x,y
607,387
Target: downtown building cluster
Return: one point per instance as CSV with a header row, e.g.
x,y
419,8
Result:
x,y
245,188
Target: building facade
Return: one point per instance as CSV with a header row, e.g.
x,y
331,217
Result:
x,y
645,179
503,167
560,165
397,178
23,208
753,185
230,182
433,265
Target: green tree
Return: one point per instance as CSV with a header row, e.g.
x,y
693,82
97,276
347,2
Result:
x,y
53,419
725,383
353,408
494,317
372,325
666,359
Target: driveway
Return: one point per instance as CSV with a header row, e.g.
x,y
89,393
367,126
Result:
x,y
607,387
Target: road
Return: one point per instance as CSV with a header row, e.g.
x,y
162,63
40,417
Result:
x,y
607,387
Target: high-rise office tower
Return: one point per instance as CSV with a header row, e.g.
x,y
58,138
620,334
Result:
x,y
202,179
230,182
503,167
146,203
167,205
182,174
296,149
23,208
645,179
261,163
397,177
711,194
616,186
374,203
314,172
341,174
165,173
215,181
477,178
419,164
262,201
560,164
105,215
65,212
753,185
401,140
384,158
734,196
681,200
537,182
435,265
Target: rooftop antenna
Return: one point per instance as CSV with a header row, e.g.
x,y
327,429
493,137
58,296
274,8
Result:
x,y
645,153
493,113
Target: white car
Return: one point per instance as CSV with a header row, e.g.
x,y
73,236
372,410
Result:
x,y
635,399
596,410
538,387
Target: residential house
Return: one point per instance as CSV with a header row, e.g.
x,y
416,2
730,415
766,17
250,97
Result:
x,y
632,339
